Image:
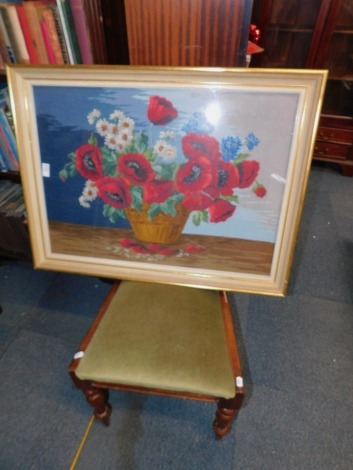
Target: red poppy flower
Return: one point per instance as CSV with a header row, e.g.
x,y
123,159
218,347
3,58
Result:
x,y
227,177
141,249
135,168
89,162
114,191
248,171
161,111
194,248
200,145
260,191
221,210
194,175
161,249
127,242
167,251
197,201
158,190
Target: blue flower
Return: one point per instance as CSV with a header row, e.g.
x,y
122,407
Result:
x,y
252,141
198,124
230,147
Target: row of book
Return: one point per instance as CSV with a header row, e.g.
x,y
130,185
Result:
x,y
14,239
8,145
50,32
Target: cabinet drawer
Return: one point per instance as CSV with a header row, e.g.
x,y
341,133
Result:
x,y
344,136
326,149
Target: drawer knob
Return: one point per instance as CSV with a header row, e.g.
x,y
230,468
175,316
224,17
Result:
x,y
321,152
324,136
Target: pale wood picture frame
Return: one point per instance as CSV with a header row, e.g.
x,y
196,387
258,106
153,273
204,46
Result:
x,y
213,163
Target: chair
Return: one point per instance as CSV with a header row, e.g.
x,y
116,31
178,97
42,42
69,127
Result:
x,y
159,339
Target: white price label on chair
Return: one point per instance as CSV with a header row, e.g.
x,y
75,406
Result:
x,y
79,354
239,382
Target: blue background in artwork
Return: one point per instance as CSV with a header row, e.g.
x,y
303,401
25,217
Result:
x,y
62,128
62,111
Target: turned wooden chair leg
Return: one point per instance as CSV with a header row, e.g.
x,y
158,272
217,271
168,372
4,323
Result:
x,y
227,410
96,397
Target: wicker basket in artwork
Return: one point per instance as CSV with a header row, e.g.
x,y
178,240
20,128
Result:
x,y
163,228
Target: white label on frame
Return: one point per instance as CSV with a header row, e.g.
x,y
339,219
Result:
x,y
46,170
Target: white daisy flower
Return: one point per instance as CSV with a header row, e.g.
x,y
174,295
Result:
x,y
90,191
126,124
120,146
116,115
165,151
113,128
93,116
169,153
167,135
125,136
110,141
159,147
102,126
83,202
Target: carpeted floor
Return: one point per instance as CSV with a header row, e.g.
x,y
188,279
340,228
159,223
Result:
x,y
296,351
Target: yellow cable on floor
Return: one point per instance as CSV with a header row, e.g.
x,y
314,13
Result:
x,y
79,450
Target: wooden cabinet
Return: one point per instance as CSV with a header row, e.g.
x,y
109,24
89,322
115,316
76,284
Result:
x,y
334,142
315,34
188,32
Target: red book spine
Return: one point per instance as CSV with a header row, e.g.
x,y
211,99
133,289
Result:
x,y
48,17
47,43
82,32
35,29
27,34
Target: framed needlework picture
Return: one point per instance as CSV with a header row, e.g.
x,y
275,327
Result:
x,y
192,176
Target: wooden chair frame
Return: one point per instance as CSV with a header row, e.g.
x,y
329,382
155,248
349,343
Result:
x,y
97,393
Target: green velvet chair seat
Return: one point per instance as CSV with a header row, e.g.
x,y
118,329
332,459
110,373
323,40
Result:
x,y
161,337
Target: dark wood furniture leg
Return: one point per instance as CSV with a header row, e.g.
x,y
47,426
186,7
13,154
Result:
x,y
96,397
227,409
347,170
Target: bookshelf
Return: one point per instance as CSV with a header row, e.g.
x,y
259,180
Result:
x,y
37,32
14,240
